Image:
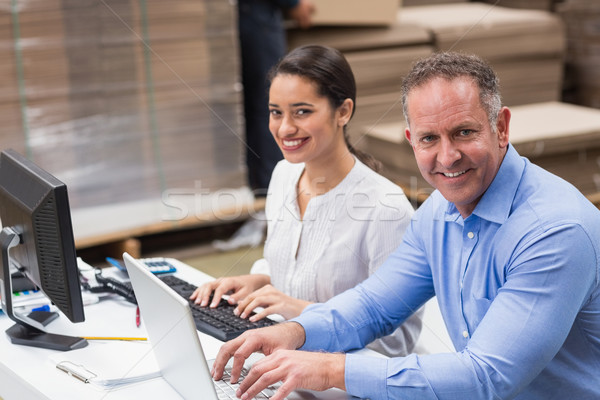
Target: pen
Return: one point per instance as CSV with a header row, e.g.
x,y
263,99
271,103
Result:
x,y
73,373
137,316
116,263
114,338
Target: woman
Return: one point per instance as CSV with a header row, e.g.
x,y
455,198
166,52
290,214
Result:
x,y
332,220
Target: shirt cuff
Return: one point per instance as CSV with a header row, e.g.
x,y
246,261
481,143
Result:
x,y
314,328
366,376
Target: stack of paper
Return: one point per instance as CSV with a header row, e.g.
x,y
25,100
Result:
x,y
562,138
525,47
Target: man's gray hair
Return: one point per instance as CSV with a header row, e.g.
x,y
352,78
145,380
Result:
x,y
450,65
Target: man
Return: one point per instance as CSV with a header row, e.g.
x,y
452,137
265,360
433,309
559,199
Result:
x,y
511,251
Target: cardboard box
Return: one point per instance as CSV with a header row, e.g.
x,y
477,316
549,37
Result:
x,y
355,12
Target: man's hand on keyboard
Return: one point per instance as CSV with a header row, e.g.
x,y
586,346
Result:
x,y
287,336
273,301
238,286
296,370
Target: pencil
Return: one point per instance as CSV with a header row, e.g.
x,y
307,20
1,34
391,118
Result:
x,y
113,338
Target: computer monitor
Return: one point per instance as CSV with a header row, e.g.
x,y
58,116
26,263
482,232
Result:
x,y
37,240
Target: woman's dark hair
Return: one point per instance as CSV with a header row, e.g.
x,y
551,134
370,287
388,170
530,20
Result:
x,y
329,70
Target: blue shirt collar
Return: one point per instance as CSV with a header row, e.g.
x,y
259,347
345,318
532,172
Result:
x,y
496,202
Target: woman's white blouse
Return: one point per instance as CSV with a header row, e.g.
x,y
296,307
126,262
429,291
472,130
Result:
x,y
344,236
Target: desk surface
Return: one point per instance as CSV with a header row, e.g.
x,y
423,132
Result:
x,y
31,373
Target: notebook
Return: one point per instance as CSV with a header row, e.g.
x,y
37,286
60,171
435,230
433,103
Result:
x,y
175,342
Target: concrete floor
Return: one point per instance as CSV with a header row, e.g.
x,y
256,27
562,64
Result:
x,y
229,263
196,250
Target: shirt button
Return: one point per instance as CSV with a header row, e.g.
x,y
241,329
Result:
x,y
465,334
470,235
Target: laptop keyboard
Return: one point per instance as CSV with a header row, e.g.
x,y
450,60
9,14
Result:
x,y
226,390
219,322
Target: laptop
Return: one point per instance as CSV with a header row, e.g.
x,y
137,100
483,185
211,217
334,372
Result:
x,y
175,342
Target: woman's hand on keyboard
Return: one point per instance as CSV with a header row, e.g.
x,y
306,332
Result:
x,y
273,301
237,286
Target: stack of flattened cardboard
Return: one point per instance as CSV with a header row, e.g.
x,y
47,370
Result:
x,y
123,100
129,103
354,12
525,47
410,3
380,57
387,143
547,5
583,54
562,138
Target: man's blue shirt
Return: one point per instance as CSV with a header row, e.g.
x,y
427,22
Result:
x,y
518,287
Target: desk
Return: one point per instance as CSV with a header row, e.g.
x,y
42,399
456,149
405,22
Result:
x,y
30,373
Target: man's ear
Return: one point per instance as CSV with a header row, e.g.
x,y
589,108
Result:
x,y
407,135
503,126
345,112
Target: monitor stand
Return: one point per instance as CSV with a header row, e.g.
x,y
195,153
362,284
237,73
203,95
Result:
x,y
30,336
22,332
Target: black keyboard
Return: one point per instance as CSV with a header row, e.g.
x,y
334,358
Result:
x,y
219,322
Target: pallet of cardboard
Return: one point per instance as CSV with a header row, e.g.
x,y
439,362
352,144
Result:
x,y
124,101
